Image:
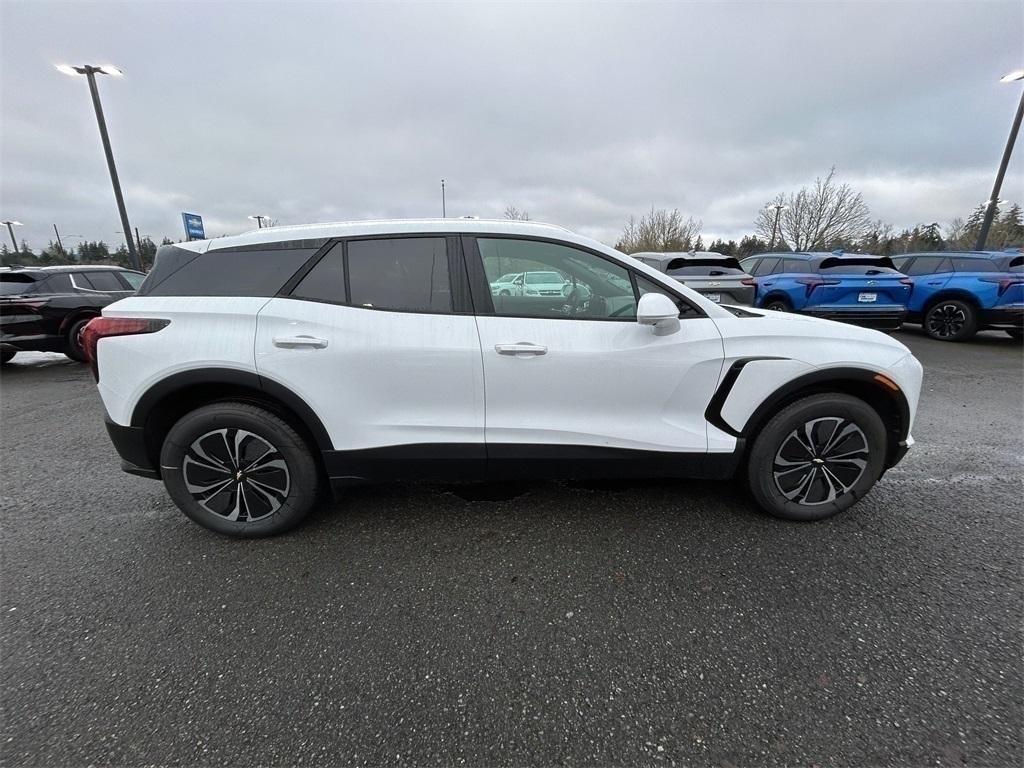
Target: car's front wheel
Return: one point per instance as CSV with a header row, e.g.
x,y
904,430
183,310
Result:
x,y
240,470
817,457
951,320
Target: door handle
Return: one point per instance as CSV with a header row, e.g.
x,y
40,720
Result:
x,y
520,348
294,342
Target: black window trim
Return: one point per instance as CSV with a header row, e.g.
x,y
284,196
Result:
x,y
461,300
84,289
481,290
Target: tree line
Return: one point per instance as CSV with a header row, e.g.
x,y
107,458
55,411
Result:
x,y
825,216
86,252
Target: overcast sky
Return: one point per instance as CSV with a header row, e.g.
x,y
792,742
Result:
x,y
580,114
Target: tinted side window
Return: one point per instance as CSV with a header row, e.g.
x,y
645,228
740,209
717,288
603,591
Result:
x,y
134,279
576,284
408,274
796,266
232,273
766,266
748,264
973,265
326,280
99,281
927,265
57,284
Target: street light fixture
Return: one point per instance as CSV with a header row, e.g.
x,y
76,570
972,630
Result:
x,y
990,208
90,71
10,228
259,219
779,208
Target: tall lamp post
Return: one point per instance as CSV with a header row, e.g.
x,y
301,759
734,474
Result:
x,y
444,211
779,208
90,73
990,207
259,220
10,228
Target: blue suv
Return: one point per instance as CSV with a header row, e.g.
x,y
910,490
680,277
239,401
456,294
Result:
x,y
958,293
855,288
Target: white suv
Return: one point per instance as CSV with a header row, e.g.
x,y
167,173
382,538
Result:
x,y
250,371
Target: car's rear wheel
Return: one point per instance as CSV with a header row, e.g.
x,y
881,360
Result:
x,y
73,340
817,457
6,355
951,320
778,305
240,470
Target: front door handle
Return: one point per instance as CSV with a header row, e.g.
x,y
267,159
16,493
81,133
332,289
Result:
x,y
294,342
520,348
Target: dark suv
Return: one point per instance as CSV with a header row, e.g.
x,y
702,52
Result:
x,y
44,309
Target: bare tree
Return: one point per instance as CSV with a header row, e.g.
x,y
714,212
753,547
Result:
x,y
513,213
956,232
659,230
824,216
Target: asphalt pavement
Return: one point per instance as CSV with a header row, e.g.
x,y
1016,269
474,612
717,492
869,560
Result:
x,y
554,623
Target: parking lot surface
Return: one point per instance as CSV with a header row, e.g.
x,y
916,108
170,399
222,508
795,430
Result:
x,y
590,624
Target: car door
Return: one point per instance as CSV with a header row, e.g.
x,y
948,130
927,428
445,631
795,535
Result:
x,y
577,371
379,339
930,274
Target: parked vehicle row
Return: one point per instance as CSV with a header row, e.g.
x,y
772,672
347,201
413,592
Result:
x,y
250,371
952,295
44,309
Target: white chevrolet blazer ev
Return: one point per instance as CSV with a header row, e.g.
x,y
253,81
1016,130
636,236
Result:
x,y
250,371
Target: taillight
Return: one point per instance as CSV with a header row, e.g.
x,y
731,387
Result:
x,y
1005,283
748,281
814,282
104,327
907,282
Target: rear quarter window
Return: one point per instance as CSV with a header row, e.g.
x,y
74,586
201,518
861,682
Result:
x,y
962,264
257,272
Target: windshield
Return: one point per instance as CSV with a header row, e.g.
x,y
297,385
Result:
x,y
533,278
15,283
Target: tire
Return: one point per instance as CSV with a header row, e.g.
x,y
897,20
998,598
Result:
x,y
804,492
950,320
1015,333
73,343
211,443
778,305
505,293
6,355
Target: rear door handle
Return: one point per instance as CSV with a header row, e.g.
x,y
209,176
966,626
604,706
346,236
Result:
x,y
294,342
520,348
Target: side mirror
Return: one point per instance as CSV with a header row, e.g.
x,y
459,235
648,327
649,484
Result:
x,y
658,310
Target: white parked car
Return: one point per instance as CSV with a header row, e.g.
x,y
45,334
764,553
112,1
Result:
x,y
250,371
537,283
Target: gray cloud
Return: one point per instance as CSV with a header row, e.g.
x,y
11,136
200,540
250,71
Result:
x,y
581,114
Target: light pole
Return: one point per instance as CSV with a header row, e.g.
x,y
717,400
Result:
x,y
259,220
10,228
444,212
90,72
990,209
779,208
